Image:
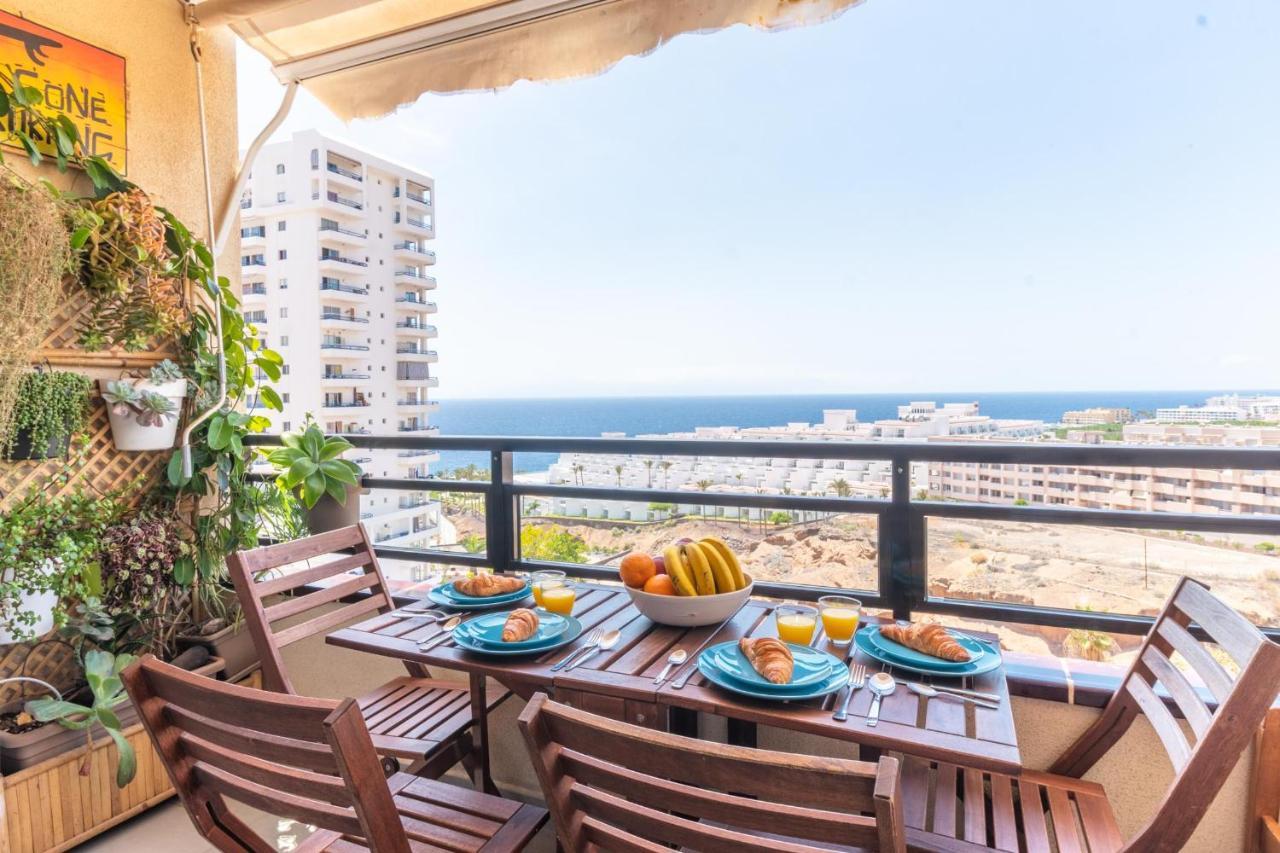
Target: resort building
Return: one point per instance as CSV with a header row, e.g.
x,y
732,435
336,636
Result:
x,y
1097,416
1230,407
333,273
780,476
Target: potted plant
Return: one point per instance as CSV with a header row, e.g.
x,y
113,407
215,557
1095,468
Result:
x,y
144,411
329,487
52,406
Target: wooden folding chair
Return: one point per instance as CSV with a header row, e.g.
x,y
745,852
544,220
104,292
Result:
x,y
310,760
1264,834
615,786
950,807
413,717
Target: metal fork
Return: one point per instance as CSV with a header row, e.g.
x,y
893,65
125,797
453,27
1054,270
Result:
x,y
593,639
857,680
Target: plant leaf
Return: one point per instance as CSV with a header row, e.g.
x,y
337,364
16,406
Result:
x,y
271,398
313,488
336,469
184,570
219,433
300,470
127,765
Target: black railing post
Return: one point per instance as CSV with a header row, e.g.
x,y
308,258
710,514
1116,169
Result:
x,y
897,584
500,513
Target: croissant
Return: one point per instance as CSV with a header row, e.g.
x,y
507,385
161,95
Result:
x,y
482,586
520,625
928,638
770,657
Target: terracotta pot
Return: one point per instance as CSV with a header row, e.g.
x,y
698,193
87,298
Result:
x,y
20,751
328,514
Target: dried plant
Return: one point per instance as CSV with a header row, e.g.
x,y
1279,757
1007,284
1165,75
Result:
x,y
34,256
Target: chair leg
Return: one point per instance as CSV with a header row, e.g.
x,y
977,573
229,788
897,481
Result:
x,y
479,712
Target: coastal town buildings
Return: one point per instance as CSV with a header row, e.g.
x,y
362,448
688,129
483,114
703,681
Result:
x,y
1231,407
1097,416
334,263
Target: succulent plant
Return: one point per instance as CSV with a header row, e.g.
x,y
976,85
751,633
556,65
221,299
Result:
x,y
165,371
122,397
154,409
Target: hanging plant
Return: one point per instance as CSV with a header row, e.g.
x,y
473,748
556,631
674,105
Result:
x,y
34,256
52,407
144,410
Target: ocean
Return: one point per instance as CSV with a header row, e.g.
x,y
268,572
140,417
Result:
x,y
635,415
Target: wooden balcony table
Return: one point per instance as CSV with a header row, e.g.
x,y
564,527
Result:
x,y
619,683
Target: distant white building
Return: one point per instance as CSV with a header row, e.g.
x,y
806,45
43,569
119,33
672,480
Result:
x,y
1229,407
775,475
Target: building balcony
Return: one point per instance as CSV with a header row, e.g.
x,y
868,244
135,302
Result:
x,y
253,236
411,251
331,232
337,318
340,347
345,378
336,261
410,328
345,404
334,289
415,352
249,291
413,225
343,205
419,382
412,404
392,539
344,174
416,428
411,457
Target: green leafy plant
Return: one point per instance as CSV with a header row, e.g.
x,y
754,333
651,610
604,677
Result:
x,y
149,408
52,407
102,670
49,542
165,372
154,409
146,561
309,465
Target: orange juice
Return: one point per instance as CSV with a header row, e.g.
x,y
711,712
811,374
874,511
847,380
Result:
x,y
549,577
796,628
839,617
558,599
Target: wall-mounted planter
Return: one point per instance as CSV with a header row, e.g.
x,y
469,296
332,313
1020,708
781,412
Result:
x,y
24,450
129,435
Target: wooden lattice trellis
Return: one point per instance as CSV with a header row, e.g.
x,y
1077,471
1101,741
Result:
x,y
103,469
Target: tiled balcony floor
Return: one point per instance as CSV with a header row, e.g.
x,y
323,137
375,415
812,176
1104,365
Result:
x,y
167,829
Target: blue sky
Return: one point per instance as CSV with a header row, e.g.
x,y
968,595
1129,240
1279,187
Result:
x,y
920,194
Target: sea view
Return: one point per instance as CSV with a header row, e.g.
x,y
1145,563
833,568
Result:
x,y
590,416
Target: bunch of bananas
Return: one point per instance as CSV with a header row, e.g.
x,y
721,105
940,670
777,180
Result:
x,y
703,568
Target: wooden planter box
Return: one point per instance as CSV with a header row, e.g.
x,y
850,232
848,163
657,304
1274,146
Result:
x,y
51,807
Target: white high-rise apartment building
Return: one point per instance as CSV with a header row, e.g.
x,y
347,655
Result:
x,y
333,273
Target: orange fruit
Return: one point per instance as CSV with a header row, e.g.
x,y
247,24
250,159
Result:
x,y
660,585
636,568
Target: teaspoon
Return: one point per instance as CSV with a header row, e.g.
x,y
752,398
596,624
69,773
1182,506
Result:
x,y
608,641
674,659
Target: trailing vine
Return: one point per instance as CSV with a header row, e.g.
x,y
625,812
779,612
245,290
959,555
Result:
x,y
52,406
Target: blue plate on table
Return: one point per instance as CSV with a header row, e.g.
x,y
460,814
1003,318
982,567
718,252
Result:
x,y
448,590
488,629
837,678
908,655
460,602
465,639
811,666
988,661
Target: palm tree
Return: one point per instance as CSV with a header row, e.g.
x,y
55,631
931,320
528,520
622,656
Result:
x,y
703,485
578,468
841,488
532,507
617,469
665,466
648,471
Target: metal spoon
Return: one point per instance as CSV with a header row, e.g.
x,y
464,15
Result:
x,y
926,690
446,627
676,658
881,684
608,641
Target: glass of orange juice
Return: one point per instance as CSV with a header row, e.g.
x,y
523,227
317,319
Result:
x,y
558,597
840,616
796,623
541,577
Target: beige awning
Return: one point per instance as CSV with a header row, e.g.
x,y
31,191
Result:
x,y
365,58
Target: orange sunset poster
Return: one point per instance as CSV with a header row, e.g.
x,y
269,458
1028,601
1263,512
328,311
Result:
x,y
84,82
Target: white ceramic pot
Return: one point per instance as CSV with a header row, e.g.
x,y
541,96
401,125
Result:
x,y
42,604
689,611
130,435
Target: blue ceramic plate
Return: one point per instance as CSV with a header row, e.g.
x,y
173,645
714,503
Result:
x,y
838,678
906,654
466,640
986,663
488,629
438,597
811,666
449,591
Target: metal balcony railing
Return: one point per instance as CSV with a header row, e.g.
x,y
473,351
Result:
x,y
346,404
334,256
339,345
344,288
333,315
346,173
253,290
344,376
902,552
350,232
408,349
343,200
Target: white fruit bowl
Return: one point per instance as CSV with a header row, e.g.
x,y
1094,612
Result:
x,y
690,611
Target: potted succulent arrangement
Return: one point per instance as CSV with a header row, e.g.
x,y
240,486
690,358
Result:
x,y
309,466
52,407
144,411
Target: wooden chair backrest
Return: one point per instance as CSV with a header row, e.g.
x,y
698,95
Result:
x,y
615,786
307,759
1264,836
251,572
1218,737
